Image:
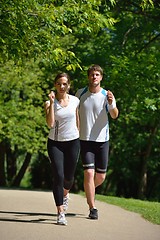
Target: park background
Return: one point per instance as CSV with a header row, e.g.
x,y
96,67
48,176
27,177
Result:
x,y
40,38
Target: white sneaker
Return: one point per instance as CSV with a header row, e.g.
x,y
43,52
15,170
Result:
x,y
65,202
61,220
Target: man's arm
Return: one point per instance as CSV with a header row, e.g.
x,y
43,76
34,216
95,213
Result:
x,y
114,113
113,110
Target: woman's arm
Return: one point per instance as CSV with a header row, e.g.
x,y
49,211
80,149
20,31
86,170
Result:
x,y
77,119
49,110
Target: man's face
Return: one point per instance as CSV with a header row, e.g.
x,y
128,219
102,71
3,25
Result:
x,y
94,78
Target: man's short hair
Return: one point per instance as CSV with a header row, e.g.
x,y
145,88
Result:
x,y
95,67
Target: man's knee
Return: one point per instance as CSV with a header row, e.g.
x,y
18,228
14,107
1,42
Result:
x,y
99,178
89,174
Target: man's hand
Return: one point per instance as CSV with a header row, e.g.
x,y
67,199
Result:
x,y
110,97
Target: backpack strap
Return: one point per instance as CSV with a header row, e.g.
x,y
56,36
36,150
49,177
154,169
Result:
x,y
86,89
105,94
83,92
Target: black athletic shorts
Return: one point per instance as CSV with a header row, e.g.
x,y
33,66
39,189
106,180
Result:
x,y
94,155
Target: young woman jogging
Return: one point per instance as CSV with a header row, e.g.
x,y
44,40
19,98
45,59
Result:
x,y
63,141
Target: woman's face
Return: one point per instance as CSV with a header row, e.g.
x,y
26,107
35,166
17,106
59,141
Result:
x,y
62,86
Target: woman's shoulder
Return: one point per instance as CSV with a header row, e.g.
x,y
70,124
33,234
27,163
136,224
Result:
x,y
74,98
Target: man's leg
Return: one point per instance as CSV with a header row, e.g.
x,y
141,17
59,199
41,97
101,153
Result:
x,y
89,187
91,181
99,179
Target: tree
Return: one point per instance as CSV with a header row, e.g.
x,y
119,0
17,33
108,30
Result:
x,y
129,54
135,73
32,29
40,38
35,33
22,131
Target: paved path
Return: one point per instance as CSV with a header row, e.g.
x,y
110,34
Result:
x,y
31,215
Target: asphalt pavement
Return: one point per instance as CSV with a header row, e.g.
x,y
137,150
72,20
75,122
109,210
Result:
x,y
31,215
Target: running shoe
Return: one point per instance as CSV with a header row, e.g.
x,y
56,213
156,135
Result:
x,y
61,220
65,202
93,213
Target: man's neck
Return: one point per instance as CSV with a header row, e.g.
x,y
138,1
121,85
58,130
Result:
x,y
94,89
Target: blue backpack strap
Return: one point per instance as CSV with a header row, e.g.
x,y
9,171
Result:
x,y
83,92
105,94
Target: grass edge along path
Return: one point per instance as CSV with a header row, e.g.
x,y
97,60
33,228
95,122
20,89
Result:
x,y
148,210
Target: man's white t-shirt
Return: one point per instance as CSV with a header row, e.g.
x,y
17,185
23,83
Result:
x,y
93,111
65,127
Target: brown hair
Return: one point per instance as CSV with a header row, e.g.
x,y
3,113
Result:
x,y
59,75
95,67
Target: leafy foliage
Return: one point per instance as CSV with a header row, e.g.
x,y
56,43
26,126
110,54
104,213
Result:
x,y
40,38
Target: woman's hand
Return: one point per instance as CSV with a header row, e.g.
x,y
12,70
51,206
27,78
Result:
x,y
51,96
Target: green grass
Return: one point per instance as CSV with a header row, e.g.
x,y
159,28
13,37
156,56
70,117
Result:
x,y
148,210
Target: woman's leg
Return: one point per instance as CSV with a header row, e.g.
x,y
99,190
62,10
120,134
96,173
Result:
x,y
70,162
56,158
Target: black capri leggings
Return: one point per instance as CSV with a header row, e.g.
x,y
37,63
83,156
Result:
x,y
64,157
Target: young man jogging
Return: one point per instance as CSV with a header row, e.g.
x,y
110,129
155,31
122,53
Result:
x,y
95,104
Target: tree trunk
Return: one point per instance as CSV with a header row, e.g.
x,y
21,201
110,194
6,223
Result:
x,y
143,178
17,180
11,158
2,160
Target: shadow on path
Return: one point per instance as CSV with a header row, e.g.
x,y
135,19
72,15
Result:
x,y
31,217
